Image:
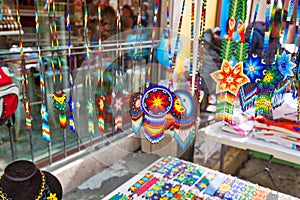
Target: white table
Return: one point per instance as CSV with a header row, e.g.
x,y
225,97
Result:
x,y
176,177
214,133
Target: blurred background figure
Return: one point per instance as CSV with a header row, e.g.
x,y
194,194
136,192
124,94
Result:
x,y
127,18
104,3
109,22
213,45
257,43
145,15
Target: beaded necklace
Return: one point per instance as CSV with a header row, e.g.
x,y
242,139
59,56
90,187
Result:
x,y
25,92
101,98
117,91
59,98
172,61
44,192
89,106
71,83
43,110
197,75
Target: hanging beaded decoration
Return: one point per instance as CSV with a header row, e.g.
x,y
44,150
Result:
x,y
157,101
117,91
60,100
296,84
135,102
196,77
71,82
26,99
276,72
185,106
230,78
285,62
184,113
268,21
100,98
43,110
253,68
89,106
172,62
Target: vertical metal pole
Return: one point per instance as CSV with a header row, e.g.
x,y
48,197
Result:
x,y
78,125
65,142
11,137
50,154
222,155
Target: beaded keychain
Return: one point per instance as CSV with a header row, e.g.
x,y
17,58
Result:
x,y
71,82
230,78
100,98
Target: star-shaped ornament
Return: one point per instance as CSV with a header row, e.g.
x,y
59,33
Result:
x,y
285,65
230,79
254,68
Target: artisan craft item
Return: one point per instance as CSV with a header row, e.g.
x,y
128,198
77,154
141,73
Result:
x,y
26,98
23,180
89,106
43,110
100,98
136,112
1,14
53,33
230,78
117,93
225,187
253,69
60,104
156,102
71,102
236,189
248,95
172,60
196,80
184,112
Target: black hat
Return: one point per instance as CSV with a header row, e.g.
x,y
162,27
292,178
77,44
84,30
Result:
x,y
22,180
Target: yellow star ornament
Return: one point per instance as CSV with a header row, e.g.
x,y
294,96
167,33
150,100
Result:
x,y
230,78
52,197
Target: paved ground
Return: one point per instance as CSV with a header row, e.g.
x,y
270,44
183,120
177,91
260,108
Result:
x,y
287,179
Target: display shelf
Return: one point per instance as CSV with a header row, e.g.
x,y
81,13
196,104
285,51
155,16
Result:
x,y
7,33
